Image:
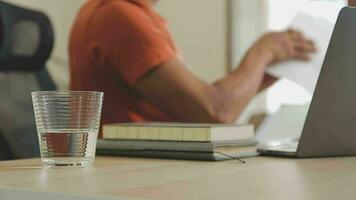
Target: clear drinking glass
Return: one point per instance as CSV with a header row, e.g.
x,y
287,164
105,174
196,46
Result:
x,y
67,126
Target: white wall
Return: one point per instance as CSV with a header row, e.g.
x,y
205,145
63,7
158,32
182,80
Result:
x,y
200,29
249,22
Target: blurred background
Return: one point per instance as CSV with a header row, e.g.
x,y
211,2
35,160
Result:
x,y
213,35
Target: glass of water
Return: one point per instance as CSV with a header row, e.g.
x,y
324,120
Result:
x,y
67,126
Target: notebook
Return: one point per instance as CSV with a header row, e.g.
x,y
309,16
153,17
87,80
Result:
x,y
177,131
221,150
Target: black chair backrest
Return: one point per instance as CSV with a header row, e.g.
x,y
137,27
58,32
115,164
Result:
x,y
26,42
26,38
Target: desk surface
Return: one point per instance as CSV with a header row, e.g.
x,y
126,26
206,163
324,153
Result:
x,y
132,178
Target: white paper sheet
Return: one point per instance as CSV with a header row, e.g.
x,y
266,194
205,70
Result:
x,y
301,72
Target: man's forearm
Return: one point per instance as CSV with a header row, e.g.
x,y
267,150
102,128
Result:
x,y
181,94
242,84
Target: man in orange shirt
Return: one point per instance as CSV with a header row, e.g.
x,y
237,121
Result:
x,y
123,47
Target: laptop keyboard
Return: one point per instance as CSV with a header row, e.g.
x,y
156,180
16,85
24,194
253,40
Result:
x,y
288,145
292,147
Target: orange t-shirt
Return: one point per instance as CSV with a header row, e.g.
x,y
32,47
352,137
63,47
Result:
x,y
114,43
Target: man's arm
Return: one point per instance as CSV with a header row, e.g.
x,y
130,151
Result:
x,y
178,92
268,81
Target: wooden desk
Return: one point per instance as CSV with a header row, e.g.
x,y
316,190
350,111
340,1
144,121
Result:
x,y
130,178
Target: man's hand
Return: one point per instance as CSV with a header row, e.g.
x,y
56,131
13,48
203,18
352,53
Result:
x,y
282,46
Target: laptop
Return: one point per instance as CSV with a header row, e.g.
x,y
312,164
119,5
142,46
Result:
x,y
330,125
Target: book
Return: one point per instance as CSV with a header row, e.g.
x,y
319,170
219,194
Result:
x,y
174,145
177,131
181,155
221,150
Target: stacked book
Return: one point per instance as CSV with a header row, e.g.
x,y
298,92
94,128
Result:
x,y
178,140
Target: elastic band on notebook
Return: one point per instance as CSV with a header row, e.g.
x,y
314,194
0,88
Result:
x,y
232,157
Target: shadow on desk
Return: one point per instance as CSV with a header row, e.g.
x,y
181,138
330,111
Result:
x,y
5,151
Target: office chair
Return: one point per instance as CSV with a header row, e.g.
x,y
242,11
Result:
x,y
26,42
